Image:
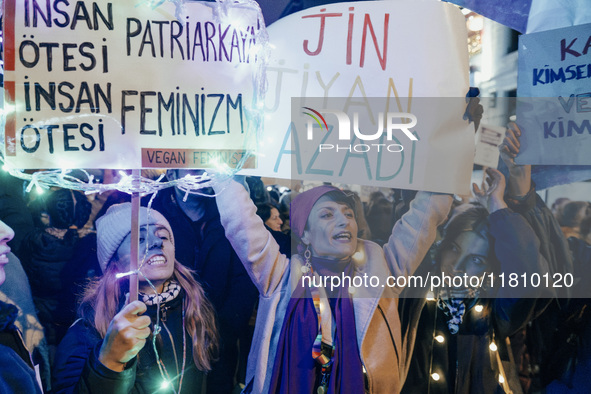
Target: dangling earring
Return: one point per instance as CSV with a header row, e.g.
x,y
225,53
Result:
x,y
307,255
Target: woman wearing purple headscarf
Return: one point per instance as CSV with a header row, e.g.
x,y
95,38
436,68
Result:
x,y
337,337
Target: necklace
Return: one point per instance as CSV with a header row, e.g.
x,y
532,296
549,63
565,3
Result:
x,y
163,372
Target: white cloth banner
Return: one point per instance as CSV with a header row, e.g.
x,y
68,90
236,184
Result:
x,y
394,50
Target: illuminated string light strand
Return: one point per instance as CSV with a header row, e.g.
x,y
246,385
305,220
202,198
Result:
x,y
44,180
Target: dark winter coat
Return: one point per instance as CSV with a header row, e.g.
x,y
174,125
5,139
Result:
x,y
536,347
463,361
78,370
203,247
16,370
57,268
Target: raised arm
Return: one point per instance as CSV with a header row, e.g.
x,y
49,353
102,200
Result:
x,y
516,248
519,182
522,198
255,246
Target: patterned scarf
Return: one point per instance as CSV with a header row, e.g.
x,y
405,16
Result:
x,y
170,291
453,309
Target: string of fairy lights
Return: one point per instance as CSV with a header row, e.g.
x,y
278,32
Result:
x,y
128,183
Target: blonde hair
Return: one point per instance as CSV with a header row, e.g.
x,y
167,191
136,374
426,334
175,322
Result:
x,y
102,298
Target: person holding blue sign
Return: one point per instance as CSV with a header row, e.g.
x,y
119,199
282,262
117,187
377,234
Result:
x,y
462,331
556,354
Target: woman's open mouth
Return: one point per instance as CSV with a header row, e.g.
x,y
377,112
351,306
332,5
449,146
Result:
x,y
157,260
4,256
343,236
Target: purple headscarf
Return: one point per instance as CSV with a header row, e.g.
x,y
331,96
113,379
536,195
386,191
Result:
x,y
302,205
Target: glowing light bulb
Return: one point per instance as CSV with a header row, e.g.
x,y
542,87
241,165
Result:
x,y
440,338
475,23
501,379
478,308
358,256
430,296
435,376
492,347
123,274
165,384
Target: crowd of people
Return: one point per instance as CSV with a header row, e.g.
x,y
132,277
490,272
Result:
x,y
231,272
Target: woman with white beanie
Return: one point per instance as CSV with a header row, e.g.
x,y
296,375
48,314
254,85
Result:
x,y
171,329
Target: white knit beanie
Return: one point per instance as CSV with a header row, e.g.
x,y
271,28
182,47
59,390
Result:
x,y
113,227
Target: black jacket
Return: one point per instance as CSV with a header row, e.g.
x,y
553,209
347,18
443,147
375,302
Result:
x,y
463,361
57,268
16,370
78,370
202,246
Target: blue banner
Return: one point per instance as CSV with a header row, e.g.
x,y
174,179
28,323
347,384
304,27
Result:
x,y
511,13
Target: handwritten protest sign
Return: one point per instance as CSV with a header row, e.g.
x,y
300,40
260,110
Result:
x,y
99,84
554,89
363,50
488,139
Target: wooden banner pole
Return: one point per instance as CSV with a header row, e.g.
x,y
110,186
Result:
x,y
135,237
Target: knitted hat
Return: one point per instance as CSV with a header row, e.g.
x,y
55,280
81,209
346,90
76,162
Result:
x,y
113,227
302,205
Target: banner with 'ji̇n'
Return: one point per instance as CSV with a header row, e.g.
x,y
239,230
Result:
x,y
372,58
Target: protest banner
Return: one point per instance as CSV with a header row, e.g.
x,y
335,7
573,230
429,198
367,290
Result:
x,y
511,13
528,16
554,96
99,84
546,176
488,139
359,51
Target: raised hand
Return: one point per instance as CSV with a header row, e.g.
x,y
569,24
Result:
x,y
491,193
474,110
509,148
519,182
125,337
